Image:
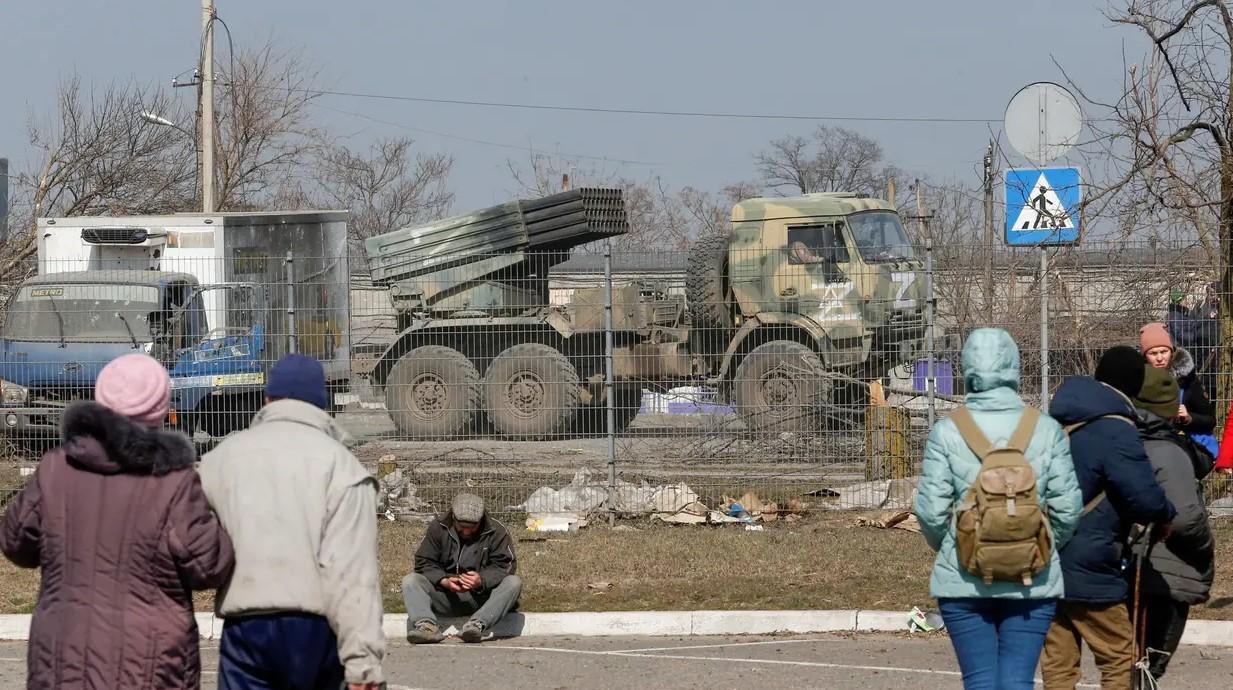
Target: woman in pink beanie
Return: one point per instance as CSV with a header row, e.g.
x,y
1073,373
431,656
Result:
x,y
1196,415
116,518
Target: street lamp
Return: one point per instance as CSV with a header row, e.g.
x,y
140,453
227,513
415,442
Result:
x,y
154,119
163,122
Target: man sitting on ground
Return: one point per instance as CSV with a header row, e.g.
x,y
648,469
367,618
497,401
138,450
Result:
x,y
464,567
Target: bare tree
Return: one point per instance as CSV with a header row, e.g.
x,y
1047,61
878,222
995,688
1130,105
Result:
x,y
1163,147
388,187
833,159
96,155
265,131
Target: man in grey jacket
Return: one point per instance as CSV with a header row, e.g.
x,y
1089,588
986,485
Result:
x,y
464,566
1179,569
303,608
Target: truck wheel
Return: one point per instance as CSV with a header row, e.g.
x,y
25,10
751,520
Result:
x,y
780,387
706,289
432,392
593,419
531,392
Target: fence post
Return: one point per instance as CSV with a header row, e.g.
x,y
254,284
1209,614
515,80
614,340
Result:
x,y
609,388
1044,328
289,271
930,372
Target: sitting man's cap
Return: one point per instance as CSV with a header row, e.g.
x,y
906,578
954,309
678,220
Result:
x,y
468,508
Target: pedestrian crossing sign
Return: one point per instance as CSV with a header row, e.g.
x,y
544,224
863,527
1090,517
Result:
x,y
1042,207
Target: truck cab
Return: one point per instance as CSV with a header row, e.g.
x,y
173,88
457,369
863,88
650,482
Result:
x,y
62,328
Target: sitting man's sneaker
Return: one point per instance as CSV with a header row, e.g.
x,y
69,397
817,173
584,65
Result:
x,y
424,632
473,631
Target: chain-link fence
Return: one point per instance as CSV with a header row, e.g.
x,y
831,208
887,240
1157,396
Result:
x,y
788,374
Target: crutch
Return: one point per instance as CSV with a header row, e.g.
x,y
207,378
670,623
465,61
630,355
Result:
x,y
1143,678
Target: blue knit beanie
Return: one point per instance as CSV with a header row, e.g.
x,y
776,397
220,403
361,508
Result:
x,y
298,377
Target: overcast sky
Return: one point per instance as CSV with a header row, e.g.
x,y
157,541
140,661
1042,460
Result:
x,y
947,58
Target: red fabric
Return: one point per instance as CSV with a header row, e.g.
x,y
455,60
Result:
x,y
1224,461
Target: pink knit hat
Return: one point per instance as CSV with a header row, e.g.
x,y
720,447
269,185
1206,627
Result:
x,y
135,386
1154,335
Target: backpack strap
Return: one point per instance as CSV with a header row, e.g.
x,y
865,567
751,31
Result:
x,y
1023,433
971,433
1091,505
1072,428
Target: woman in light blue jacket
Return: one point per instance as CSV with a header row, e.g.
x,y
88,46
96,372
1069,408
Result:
x,y
997,629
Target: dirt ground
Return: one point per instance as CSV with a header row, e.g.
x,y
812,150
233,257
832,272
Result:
x,y
821,562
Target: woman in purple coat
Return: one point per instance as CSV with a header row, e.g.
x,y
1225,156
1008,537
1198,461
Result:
x,y
116,518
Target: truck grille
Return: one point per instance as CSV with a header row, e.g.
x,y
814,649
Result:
x,y
59,396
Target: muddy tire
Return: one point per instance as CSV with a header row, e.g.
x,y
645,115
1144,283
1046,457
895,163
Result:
x,y
707,290
593,419
531,392
779,388
432,392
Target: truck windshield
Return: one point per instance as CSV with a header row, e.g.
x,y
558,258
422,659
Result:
x,y
89,313
879,236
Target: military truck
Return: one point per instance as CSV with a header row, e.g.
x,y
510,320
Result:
x,y
799,289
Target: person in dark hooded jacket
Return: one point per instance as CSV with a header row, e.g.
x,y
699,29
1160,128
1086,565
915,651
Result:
x,y
1178,570
1119,490
1196,415
116,519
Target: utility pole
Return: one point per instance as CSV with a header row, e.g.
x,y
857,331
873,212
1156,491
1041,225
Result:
x,y
920,211
4,200
989,236
206,127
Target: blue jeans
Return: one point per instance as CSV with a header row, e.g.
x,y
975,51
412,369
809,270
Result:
x,y
997,641
288,651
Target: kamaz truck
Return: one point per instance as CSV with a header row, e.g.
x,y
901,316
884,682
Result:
x,y
216,297
798,290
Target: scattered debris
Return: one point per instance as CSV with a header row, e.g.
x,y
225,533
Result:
x,y
589,493
575,502
692,513
886,494
386,464
924,622
548,523
397,494
1221,507
891,519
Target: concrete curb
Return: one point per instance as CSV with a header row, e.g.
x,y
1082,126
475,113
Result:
x,y
667,624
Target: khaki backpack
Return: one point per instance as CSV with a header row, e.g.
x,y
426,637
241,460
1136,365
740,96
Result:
x,y
1001,531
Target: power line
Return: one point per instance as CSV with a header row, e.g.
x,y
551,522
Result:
x,y
483,142
640,111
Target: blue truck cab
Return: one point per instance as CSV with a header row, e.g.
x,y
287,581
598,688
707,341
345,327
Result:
x,y
60,330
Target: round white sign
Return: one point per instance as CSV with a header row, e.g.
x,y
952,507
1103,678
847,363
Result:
x,y
1043,122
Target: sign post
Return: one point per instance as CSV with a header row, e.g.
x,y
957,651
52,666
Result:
x,y
1042,211
1043,121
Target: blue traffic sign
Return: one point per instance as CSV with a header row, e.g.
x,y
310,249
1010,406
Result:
x,y
1042,207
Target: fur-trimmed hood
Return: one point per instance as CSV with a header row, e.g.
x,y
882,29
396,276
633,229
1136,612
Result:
x,y
1182,365
104,442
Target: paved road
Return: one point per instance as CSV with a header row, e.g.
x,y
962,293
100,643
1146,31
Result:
x,y
867,662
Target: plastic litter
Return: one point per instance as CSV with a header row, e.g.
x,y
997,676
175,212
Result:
x,y
921,621
547,523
